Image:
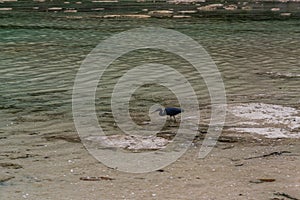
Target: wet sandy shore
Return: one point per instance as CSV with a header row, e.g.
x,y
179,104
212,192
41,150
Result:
x,y
241,166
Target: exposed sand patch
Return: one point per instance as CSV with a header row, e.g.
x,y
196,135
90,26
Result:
x,y
130,142
272,121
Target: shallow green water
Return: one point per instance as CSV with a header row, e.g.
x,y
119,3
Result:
x,y
41,53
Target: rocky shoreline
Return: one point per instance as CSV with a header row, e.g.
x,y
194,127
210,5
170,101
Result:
x,y
265,9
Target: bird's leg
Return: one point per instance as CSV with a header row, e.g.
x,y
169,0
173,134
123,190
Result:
x,y
174,118
169,119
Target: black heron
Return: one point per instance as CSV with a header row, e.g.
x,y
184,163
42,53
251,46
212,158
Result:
x,y
169,111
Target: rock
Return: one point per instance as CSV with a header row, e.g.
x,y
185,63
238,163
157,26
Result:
x,y
247,8
127,16
186,1
161,13
187,11
181,16
231,7
105,1
275,9
210,7
70,11
285,14
5,9
55,9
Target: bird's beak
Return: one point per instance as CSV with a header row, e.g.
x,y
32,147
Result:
x,y
155,111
